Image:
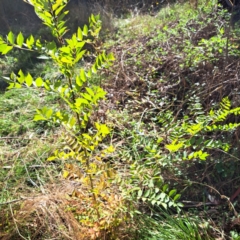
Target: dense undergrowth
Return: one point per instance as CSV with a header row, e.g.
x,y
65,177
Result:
x,y
172,105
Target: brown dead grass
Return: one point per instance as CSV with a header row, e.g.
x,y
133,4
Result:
x,y
54,216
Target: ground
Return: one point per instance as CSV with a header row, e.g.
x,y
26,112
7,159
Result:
x,y
172,67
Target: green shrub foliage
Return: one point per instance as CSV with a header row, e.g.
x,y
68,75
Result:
x,y
80,99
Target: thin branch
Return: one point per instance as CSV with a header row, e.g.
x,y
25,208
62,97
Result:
x,y
192,204
222,196
29,178
21,138
16,200
16,224
12,201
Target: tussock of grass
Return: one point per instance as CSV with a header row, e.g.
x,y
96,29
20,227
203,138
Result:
x,y
55,215
171,226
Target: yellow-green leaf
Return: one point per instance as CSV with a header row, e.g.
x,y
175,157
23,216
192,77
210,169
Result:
x,y
83,75
39,82
172,192
4,48
21,76
86,136
38,117
29,80
85,30
79,34
59,10
49,113
65,49
66,60
203,156
90,91
174,146
110,149
111,57
30,42
52,158
65,173
56,5
11,37
20,39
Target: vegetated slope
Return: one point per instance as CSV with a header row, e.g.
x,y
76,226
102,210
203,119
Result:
x,y
183,62
185,53
170,69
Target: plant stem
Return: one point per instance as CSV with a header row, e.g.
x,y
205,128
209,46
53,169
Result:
x,y
61,42
74,99
91,183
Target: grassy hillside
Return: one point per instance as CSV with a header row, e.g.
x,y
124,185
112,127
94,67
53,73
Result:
x,y
172,105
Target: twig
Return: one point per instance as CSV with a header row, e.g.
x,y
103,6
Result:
x,y
232,156
16,200
21,138
191,204
29,178
16,224
122,62
222,196
12,201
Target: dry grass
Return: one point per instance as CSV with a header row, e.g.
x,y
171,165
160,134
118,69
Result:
x,y
37,203
54,215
